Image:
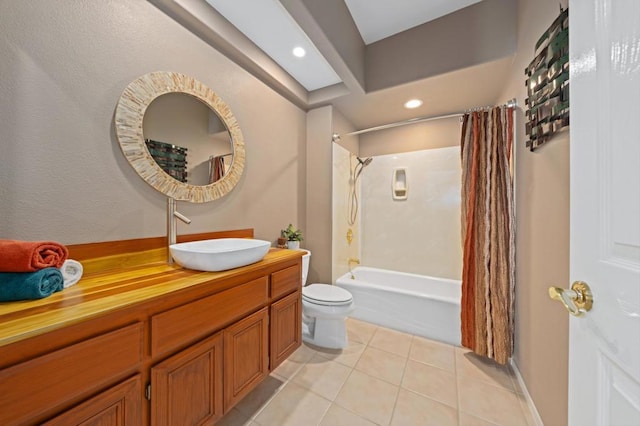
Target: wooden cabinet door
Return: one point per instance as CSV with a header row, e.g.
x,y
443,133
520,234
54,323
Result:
x,y
118,406
286,328
186,389
246,356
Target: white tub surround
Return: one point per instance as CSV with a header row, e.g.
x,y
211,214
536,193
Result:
x,y
410,208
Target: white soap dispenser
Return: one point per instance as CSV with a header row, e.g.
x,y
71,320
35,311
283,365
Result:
x,y
399,184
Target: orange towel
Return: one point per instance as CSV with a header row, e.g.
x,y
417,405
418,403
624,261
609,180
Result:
x,y
31,256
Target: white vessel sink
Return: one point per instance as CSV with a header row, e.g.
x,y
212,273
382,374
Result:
x,y
219,254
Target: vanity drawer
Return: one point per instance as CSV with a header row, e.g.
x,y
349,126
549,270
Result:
x,y
33,387
285,281
190,322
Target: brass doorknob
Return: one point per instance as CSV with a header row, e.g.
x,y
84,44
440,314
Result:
x,y
578,300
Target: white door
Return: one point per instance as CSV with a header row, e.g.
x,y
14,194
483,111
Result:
x,y
604,347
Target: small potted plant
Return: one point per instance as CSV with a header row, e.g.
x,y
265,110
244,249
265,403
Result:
x,y
293,236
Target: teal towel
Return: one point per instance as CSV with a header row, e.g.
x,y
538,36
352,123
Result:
x,y
30,285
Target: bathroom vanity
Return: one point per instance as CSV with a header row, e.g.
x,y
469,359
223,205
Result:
x,y
139,341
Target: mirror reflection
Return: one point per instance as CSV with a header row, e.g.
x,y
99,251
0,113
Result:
x,y
187,139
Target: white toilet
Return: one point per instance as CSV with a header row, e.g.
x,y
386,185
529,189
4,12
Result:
x,y
324,310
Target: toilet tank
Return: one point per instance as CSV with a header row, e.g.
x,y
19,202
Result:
x,y
305,266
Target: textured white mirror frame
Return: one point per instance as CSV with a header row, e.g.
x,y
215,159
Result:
x,y
128,121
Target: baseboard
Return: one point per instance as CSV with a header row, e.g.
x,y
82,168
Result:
x,y
532,407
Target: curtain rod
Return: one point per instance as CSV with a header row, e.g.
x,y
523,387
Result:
x,y
510,103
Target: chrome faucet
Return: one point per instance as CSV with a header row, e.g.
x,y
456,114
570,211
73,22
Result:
x,y
172,225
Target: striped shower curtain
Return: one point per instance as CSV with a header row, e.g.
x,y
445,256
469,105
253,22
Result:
x,y
216,168
488,239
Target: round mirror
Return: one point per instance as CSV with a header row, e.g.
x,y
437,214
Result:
x,y
180,137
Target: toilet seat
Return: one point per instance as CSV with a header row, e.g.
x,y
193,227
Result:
x,y
326,295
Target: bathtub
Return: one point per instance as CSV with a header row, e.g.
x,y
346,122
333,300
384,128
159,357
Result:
x,y
416,304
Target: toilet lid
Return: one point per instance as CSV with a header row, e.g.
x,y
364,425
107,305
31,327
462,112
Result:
x,y
325,294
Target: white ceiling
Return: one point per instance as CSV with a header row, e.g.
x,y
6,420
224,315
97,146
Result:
x,y
272,29
378,19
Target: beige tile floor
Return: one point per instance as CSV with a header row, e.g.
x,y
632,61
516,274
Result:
x,y
384,377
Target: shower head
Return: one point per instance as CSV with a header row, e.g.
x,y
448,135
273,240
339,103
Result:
x,y
360,166
365,162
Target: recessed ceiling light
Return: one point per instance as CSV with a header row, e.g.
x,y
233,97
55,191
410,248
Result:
x,y
299,52
413,103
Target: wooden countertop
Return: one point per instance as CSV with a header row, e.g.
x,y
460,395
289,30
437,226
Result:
x,y
99,293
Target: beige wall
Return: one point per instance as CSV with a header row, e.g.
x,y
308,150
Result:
x,y
415,137
62,174
319,172
542,236
477,34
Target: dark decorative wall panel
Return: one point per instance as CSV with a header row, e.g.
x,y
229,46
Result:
x,y
548,83
171,158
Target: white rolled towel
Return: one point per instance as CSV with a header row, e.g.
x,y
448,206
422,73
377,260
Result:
x,y
71,272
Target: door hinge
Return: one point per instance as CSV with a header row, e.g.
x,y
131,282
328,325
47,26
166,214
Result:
x,y
147,391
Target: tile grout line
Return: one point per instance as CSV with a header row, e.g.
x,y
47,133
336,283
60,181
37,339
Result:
x,y
433,365
460,412
367,345
455,372
491,381
343,407
404,370
492,385
393,353
351,369
285,383
268,401
325,411
380,378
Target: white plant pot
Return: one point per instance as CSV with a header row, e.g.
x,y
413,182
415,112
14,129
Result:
x,y
293,245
